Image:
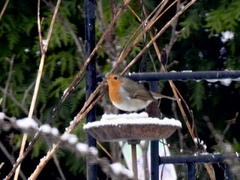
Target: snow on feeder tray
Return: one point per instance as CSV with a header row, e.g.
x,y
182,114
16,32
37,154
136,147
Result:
x,y
130,127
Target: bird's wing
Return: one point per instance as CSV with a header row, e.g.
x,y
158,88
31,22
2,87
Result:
x,y
143,94
137,91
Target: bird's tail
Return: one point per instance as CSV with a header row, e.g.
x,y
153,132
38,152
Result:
x,y
160,96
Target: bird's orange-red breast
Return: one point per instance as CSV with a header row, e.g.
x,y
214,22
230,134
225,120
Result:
x,y
128,95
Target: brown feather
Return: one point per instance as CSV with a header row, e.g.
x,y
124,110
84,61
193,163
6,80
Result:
x,y
136,90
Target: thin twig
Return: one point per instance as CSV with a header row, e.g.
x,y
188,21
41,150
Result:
x,y
174,35
70,89
4,8
76,147
32,106
56,162
10,72
10,158
100,16
26,92
177,93
78,42
229,123
39,27
110,43
15,101
80,73
104,149
73,125
147,24
43,162
158,34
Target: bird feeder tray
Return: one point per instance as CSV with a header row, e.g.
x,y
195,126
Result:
x,y
131,127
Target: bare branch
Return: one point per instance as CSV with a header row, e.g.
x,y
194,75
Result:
x,y
35,93
157,35
55,159
224,147
26,93
174,33
110,43
70,89
78,41
39,27
15,101
229,123
100,16
67,141
56,162
10,72
10,158
4,8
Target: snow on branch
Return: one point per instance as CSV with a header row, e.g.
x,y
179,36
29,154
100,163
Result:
x,y
67,141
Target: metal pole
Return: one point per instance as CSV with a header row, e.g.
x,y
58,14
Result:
x,y
183,159
228,172
191,171
153,111
90,75
185,75
154,160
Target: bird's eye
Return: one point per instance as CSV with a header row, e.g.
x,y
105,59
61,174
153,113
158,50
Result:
x,y
115,77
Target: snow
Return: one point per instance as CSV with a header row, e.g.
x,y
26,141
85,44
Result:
x,y
83,148
237,154
93,151
54,131
45,128
2,115
212,80
26,123
65,91
71,138
26,50
186,71
131,115
226,82
227,36
197,140
118,169
74,121
65,136
132,118
201,142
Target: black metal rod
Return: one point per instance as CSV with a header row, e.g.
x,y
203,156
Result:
x,y
228,172
184,159
191,171
154,144
90,75
195,75
154,160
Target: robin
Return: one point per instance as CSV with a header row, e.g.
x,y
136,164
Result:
x,y
128,95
